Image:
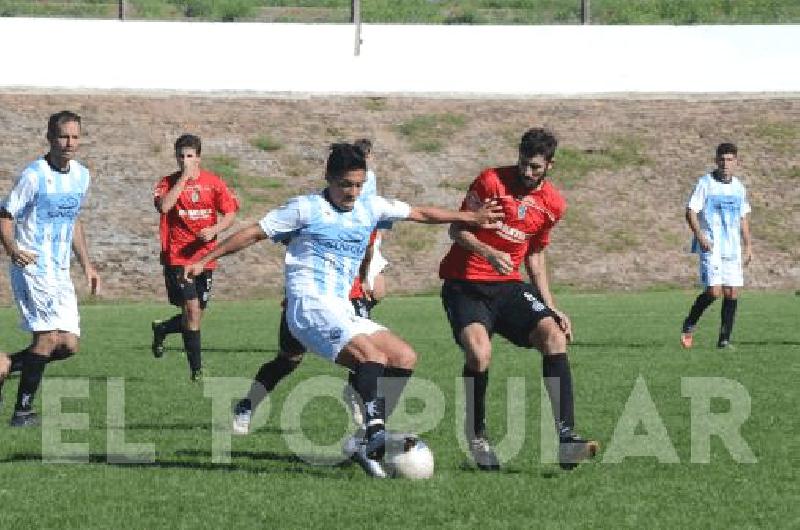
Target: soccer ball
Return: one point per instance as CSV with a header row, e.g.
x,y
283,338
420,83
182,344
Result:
x,y
407,456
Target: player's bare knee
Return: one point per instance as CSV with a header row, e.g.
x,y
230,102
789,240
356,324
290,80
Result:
x,y
404,358
714,291
478,357
70,345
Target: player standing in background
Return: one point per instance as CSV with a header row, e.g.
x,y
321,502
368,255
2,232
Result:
x,y
39,228
717,215
329,232
195,206
483,292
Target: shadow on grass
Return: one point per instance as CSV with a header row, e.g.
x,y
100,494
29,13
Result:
x,y
293,463
620,344
192,426
217,349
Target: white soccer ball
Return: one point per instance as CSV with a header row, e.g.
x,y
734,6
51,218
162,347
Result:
x,y
407,456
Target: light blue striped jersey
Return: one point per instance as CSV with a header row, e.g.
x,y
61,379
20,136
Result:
x,y
326,245
720,207
45,204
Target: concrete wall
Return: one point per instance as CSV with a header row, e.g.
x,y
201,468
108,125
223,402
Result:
x,y
424,60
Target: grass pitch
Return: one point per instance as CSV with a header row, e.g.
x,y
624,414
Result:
x,y
620,338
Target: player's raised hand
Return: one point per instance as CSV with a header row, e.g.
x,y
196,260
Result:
x,y
489,215
190,168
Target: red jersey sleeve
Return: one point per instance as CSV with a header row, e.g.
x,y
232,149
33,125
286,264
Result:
x,y
556,204
226,199
485,186
162,187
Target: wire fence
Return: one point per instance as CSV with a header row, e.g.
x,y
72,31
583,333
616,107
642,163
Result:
x,y
421,11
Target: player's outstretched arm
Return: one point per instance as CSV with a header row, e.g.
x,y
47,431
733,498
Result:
x,y
242,239
488,215
225,221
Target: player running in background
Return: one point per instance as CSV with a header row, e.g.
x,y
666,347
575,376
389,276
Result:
x,y
329,235
39,228
483,292
717,215
195,206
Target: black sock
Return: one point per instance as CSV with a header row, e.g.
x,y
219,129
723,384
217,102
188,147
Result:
x,y
392,384
191,341
558,381
32,369
475,395
173,325
17,360
728,315
366,385
270,374
700,304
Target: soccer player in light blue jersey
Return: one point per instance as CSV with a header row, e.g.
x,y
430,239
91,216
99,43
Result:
x,y
717,215
39,228
328,233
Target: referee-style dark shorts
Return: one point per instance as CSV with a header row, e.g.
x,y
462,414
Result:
x,y
179,290
511,309
288,344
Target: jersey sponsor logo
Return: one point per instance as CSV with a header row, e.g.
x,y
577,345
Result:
x,y
536,305
512,234
193,215
336,334
61,205
521,210
350,248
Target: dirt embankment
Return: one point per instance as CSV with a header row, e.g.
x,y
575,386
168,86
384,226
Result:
x,y
626,168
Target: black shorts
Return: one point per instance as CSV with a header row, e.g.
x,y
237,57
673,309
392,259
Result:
x,y
288,344
179,290
511,309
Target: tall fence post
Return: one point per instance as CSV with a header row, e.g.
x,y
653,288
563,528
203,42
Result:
x,y
586,12
122,9
355,18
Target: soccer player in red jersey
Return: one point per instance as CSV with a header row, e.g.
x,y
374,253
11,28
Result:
x,y
483,292
195,206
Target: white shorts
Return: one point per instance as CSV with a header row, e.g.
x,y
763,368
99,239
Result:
x,y
45,304
716,270
325,325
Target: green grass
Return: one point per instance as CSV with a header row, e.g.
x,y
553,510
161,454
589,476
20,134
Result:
x,y
430,12
572,164
253,191
430,132
619,338
265,142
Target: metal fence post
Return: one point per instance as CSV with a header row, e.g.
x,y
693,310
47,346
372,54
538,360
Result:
x,y
586,12
355,18
122,9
